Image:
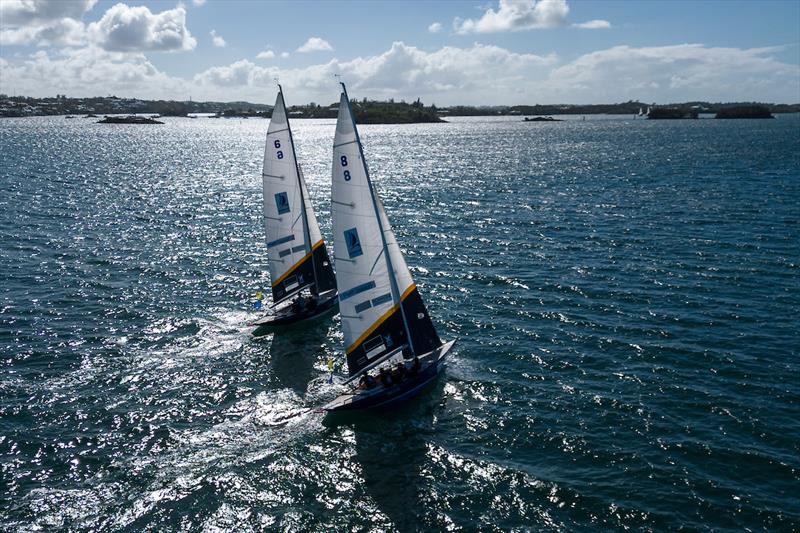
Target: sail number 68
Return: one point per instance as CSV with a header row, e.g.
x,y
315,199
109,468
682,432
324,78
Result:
x,y
279,154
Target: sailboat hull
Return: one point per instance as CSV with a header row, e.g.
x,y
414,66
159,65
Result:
x,y
287,317
383,398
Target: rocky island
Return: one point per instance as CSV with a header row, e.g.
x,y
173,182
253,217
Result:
x,y
750,111
662,113
131,119
542,119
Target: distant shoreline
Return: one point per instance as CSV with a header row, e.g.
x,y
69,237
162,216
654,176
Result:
x,y
367,111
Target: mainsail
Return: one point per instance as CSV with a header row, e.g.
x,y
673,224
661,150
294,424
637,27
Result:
x,y
380,306
295,249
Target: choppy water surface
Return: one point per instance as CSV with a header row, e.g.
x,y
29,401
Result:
x,y
625,294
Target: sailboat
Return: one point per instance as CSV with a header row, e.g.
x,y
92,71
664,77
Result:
x,y
301,273
386,326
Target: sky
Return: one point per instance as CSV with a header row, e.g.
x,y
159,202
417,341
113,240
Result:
x,y
495,52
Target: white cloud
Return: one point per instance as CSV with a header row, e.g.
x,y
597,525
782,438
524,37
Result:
x,y
515,15
436,27
64,31
17,13
315,44
90,71
266,54
198,2
240,73
42,23
125,28
677,73
447,76
284,55
596,24
218,41
402,71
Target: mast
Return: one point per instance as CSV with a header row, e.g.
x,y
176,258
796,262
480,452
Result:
x,y
306,233
392,280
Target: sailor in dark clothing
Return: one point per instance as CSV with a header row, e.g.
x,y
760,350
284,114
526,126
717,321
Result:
x,y
385,378
399,372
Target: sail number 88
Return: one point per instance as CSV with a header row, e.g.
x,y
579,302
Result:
x,y
279,153
343,161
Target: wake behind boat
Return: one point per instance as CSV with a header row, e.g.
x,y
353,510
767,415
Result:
x,y
303,282
386,326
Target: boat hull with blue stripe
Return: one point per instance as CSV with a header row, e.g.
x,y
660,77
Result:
x,y
382,398
286,316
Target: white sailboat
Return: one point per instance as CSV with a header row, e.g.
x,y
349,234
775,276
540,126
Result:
x,y
299,266
384,320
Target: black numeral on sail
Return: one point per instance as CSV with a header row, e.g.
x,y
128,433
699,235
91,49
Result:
x,y
277,143
280,154
346,175
344,160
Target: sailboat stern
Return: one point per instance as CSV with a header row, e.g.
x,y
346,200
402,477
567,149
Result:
x,y
381,398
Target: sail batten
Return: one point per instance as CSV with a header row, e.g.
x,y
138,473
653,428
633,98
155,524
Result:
x,y
379,303
295,249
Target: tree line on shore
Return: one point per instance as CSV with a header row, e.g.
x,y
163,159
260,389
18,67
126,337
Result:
x,y
366,111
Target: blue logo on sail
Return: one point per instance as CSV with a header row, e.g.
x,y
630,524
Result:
x,y
353,243
282,202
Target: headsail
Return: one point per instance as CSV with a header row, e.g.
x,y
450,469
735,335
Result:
x,y
380,306
296,251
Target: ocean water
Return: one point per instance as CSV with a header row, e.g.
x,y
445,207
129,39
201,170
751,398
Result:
x,y
625,293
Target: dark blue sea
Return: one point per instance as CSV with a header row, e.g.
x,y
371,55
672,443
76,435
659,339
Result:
x,y
625,294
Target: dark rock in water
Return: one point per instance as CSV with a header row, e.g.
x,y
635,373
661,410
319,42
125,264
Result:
x,y
747,111
542,119
129,120
662,113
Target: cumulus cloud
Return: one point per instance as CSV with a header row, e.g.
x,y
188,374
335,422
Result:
x,y
515,15
218,41
33,12
43,22
315,44
677,73
90,71
66,31
447,76
266,54
401,70
596,24
125,28
436,27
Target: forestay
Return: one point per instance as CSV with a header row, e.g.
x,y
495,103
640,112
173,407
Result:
x,y
379,304
291,227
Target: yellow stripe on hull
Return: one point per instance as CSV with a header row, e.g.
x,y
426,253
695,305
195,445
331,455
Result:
x,y
380,321
294,266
